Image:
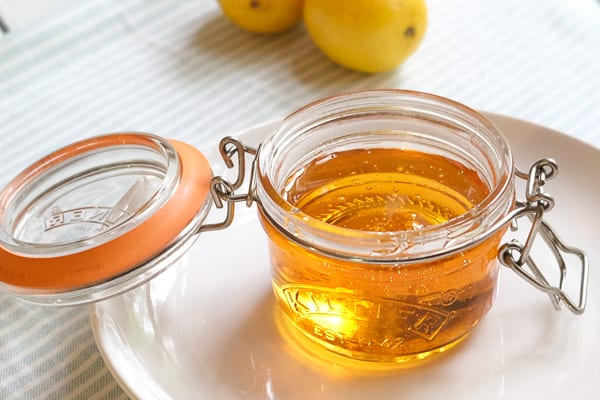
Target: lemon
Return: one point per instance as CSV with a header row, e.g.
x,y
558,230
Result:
x,y
263,16
366,35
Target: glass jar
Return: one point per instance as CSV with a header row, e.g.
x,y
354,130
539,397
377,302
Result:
x,y
384,210
379,272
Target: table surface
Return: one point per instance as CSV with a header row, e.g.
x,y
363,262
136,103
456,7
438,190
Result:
x,y
71,69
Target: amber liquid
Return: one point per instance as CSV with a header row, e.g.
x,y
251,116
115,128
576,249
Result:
x,y
376,312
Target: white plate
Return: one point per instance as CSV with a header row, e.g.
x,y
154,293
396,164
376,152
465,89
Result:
x,y
205,328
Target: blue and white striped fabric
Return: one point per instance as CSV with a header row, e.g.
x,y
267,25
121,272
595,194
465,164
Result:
x,y
177,68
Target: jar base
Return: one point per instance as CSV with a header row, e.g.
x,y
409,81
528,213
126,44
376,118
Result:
x,y
328,361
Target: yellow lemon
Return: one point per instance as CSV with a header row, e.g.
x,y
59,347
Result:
x,y
366,35
263,16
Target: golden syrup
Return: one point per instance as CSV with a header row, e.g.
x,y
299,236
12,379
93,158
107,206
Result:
x,y
379,312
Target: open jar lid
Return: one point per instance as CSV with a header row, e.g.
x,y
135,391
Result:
x,y
100,216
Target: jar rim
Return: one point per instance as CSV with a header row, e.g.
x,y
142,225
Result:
x,y
472,226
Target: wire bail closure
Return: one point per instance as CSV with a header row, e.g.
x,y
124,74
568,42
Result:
x,y
512,254
518,257
222,190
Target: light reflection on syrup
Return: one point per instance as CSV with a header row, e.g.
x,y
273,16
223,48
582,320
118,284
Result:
x,y
336,367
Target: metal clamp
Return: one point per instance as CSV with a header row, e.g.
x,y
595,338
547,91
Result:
x,y
517,256
222,191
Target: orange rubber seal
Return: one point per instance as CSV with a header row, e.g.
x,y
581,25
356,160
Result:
x,y
125,252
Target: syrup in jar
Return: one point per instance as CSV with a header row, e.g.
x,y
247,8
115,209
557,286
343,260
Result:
x,y
381,312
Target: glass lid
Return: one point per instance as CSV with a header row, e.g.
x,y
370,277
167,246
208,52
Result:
x,y
100,216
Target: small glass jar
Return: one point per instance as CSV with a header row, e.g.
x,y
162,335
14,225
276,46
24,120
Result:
x,y
382,282
384,210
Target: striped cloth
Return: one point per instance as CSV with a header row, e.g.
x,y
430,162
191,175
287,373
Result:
x,y
18,14
177,68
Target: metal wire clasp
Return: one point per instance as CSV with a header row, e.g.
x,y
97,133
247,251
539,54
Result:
x,y
517,256
223,191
